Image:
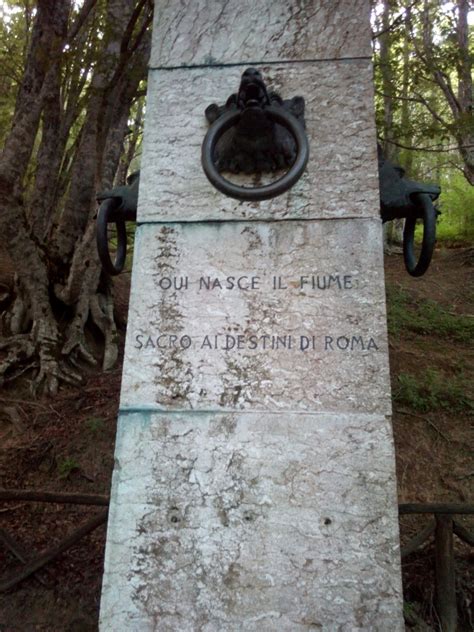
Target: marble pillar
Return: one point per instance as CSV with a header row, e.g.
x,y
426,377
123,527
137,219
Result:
x,y
254,483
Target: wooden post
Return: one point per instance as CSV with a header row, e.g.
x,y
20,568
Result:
x,y
445,574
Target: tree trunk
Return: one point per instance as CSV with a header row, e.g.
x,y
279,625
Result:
x,y
405,105
460,103
49,156
86,173
81,286
387,83
465,92
52,242
48,36
392,230
132,143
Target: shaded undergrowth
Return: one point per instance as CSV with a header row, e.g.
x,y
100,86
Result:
x,y
425,317
433,391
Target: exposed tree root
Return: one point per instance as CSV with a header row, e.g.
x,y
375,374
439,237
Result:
x,y
17,371
76,349
39,342
55,351
5,293
50,375
36,350
102,312
20,350
21,342
18,317
81,289
58,356
19,552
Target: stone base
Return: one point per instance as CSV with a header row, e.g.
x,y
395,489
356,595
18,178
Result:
x,y
252,521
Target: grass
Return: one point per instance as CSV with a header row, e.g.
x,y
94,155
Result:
x,y
66,467
426,317
95,425
433,391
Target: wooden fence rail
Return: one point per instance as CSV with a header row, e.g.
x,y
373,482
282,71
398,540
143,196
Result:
x,y
31,566
442,526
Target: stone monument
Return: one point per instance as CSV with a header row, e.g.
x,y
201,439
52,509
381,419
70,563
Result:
x,y
254,484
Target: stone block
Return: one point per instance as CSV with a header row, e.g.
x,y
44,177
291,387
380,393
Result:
x,y
341,177
286,315
252,521
216,32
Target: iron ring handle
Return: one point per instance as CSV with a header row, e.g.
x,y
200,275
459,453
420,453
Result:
x,y
414,267
267,191
107,214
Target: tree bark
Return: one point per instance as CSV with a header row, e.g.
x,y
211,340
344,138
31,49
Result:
x,y
132,143
405,105
445,574
86,173
387,83
392,230
460,103
53,553
49,156
465,91
51,236
81,285
47,39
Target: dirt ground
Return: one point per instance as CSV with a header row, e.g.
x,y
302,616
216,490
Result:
x,y
66,444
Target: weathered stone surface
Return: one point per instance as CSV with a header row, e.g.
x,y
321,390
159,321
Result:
x,y
329,316
341,176
254,487
255,522
217,32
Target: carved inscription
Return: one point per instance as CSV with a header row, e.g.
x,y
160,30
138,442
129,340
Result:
x,y
266,342
274,316
254,282
273,341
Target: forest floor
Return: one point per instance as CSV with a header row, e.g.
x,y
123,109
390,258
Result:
x,y
66,444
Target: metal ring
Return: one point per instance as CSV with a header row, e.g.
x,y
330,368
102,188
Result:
x,y
255,194
107,214
414,267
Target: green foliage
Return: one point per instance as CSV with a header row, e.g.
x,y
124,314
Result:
x,y
410,613
456,204
422,114
433,391
66,467
414,95
426,317
95,425
15,26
